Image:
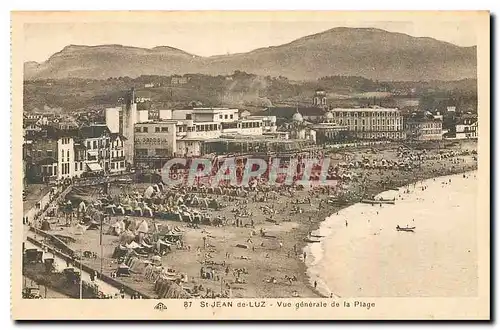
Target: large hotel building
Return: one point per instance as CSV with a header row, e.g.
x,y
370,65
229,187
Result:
x,y
371,123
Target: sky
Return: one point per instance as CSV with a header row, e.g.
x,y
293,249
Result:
x,y
208,38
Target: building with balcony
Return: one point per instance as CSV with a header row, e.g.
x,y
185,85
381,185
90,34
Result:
x,y
96,139
117,153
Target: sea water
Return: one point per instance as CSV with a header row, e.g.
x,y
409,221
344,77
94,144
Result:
x,y
369,258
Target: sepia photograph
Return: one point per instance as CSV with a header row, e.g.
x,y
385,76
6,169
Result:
x,y
229,164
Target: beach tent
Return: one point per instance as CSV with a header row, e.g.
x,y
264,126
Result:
x,y
120,209
82,208
149,192
110,209
143,227
147,211
126,237
133,245
45,225
80,229
93,225
119,252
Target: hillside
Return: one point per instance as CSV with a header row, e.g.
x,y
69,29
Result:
x,y
371,53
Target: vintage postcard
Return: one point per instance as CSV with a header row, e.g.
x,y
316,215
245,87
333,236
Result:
x,y
250,165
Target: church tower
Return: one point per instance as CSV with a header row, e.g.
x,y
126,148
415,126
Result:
x,y
319,99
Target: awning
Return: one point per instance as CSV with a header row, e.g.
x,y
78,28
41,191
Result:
x,y
94,167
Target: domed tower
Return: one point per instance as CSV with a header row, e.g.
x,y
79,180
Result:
x,y
297,117
319,99
328,117
245,114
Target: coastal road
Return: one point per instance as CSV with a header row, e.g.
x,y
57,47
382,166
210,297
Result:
x,y
60,265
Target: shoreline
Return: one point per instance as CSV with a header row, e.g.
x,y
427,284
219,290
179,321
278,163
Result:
x,y
269,257
308,247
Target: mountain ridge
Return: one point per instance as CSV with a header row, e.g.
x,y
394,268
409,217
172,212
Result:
x,y
368,52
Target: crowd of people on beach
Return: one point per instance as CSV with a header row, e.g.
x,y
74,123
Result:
x,y
246,208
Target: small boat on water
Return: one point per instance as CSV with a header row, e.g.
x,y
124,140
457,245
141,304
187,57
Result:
x,y
313,235
311,240
412,229
378,201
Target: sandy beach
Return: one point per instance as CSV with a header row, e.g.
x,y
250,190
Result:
x,y
267,262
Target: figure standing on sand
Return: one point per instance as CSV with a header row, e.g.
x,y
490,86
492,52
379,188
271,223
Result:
x,y
305,255
346,223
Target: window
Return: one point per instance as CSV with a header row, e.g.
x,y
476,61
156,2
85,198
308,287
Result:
x,y
144,129
189,116
49,153
141,152
164,129
81,166
157,129
67,155
39,153
225,116
94,145
76,166
161,152
230,116
88,145
112,166
122,164
137,129
220,116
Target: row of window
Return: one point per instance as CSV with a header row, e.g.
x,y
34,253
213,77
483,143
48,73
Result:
x,y
65,168
381,134
95,145
374,122
226,116
201,127
81,166
117,154
145,129
49,170
119,165
65,140
365,114
158,152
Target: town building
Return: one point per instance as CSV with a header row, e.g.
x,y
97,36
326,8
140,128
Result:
x,y
328,131
178,80
96,139
117,153
155,143
371,123
49,155
423,127
285,114
466,127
